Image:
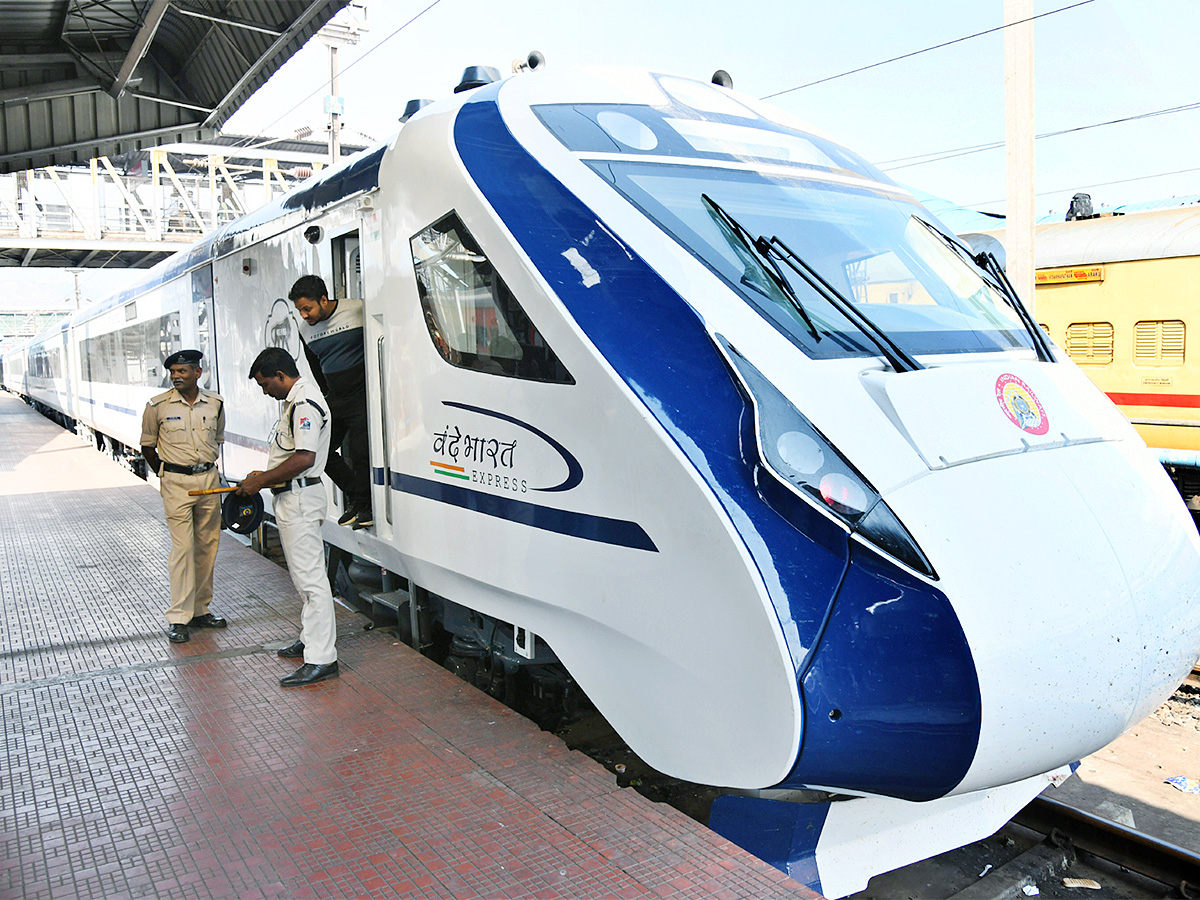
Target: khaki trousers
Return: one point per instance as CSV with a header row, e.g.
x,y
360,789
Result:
x,y
195,526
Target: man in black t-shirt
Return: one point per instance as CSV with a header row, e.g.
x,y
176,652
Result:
x,y
333,332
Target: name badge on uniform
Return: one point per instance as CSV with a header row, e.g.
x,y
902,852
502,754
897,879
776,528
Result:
x,y
173,419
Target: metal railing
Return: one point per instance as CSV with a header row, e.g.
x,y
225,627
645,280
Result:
x,y
153,202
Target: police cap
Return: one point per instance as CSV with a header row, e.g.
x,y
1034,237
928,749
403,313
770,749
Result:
x,y
183,357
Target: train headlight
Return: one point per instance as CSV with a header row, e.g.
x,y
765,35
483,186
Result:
x,y
797,454
800,452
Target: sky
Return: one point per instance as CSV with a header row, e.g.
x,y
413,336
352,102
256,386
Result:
x,y
1096,62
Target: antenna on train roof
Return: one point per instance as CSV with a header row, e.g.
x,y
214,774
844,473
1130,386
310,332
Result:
x,y
721,78
411,108
477,76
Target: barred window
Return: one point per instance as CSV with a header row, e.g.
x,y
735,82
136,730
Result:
x,y
1158,343
1090,343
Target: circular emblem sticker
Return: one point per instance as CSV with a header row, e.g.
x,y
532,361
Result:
x,y
1021,405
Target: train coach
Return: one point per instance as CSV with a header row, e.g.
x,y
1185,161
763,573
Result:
x,y
677,400
1116,293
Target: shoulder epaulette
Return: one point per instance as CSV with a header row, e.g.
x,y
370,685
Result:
x,y
159,398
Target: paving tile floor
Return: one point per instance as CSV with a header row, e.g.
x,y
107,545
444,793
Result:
x,y
137,768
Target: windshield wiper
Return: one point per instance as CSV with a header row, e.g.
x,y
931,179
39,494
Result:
x,y
891,351
991,266
988,262
769,250
773,272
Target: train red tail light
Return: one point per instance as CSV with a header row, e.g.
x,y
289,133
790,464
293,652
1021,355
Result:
x,y
842,495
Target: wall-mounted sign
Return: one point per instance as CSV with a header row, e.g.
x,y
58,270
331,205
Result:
x,y
1070,275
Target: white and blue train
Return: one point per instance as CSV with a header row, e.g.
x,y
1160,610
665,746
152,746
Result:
x,y
671,390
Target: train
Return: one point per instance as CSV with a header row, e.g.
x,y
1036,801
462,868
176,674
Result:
x,y
680,403
1116,292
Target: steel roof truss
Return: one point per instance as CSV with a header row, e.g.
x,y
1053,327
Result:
x,y
141,43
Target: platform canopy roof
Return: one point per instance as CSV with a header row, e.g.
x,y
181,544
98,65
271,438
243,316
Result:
x,y
87,78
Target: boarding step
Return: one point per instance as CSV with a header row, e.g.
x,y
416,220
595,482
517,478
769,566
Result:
x,y
388,606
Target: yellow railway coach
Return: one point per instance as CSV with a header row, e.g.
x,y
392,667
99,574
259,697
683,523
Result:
x,y
1121,295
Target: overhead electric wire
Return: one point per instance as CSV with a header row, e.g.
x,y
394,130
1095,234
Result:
x,y
885,62
921,159
308,97
1089,186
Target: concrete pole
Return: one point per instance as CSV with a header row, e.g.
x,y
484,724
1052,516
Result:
x,y
76,273
1019,158
335,147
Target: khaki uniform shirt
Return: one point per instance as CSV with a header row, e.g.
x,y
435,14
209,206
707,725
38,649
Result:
x,y
303,425
184,434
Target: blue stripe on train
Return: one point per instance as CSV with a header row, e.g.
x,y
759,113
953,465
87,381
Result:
x,y
562,521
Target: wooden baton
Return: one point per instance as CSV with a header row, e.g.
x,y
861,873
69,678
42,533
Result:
x,y
223,490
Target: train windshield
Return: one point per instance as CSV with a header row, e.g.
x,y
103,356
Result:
x,y
876,249
704,165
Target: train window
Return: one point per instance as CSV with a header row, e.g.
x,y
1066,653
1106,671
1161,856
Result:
x,y
134,354
700,122
45,362
202,291
1090,343
474,320
875,247
1158,343
347,271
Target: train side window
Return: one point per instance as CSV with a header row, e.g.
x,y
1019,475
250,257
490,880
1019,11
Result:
x,y
1159,343
133,355
474,320
1090,343
347,267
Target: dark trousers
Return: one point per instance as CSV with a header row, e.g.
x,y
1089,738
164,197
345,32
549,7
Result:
x,y
349,463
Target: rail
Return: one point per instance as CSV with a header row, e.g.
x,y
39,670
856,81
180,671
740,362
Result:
x,y
1157,859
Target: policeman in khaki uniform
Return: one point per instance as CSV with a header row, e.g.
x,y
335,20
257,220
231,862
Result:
x,y
295,460
182,431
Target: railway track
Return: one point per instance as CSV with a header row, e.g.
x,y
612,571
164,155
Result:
x,y
1052,851
1102,839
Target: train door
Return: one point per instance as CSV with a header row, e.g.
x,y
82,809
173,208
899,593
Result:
x,y
67,398
350,280
202,321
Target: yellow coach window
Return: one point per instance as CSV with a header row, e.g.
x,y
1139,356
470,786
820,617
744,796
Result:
x,y
1090,343
1158,343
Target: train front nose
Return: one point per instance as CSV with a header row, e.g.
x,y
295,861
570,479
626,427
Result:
x,y
1067,607
1073,574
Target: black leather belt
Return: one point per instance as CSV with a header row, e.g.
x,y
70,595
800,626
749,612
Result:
x,y
187,470
295,483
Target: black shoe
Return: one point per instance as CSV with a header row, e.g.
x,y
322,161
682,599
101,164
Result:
x,y
310,673
350,516
208,620
364,518
179,633
292,651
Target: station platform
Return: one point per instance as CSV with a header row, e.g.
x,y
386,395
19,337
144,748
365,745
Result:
x,y
134,767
